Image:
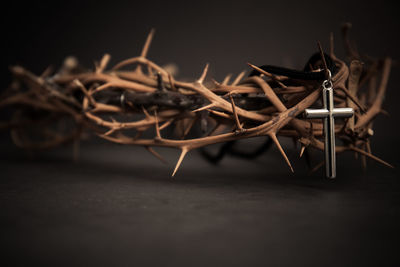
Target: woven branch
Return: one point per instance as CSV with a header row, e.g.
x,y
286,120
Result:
x,y
122,105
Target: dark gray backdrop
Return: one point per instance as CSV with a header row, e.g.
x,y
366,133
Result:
x,y
119,206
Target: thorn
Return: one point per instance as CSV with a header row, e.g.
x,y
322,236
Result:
x,y
364,159
146,113
138,70
276,141
303,148
157,126
178,164
352,98
102,87
319,165
226,79
166,124
238,126
368,144
109,132
217,84
103,63
189,127
231,92
238,78
384,112
204,74
356,149
266,73
204,107
157,155
147,43
172,82
47,72
323,60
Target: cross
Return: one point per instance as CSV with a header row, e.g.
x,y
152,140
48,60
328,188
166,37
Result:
x,y
329,113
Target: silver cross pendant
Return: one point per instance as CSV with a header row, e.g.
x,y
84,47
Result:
x,y
329,113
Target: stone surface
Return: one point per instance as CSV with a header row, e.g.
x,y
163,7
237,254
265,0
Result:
x,y
118,207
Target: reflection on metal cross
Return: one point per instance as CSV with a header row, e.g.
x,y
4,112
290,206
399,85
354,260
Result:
x,y
328,113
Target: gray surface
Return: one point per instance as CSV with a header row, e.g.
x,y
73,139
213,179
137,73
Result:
x,y
116,208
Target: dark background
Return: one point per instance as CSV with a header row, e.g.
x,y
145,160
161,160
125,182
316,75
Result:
x,y
118,206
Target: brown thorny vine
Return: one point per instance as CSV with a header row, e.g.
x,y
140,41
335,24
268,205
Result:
x,y
120,105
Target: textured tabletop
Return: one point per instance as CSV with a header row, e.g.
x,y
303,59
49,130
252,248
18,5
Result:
x,y
118,206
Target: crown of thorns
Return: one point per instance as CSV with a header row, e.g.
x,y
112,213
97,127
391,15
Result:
x,y
137,102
